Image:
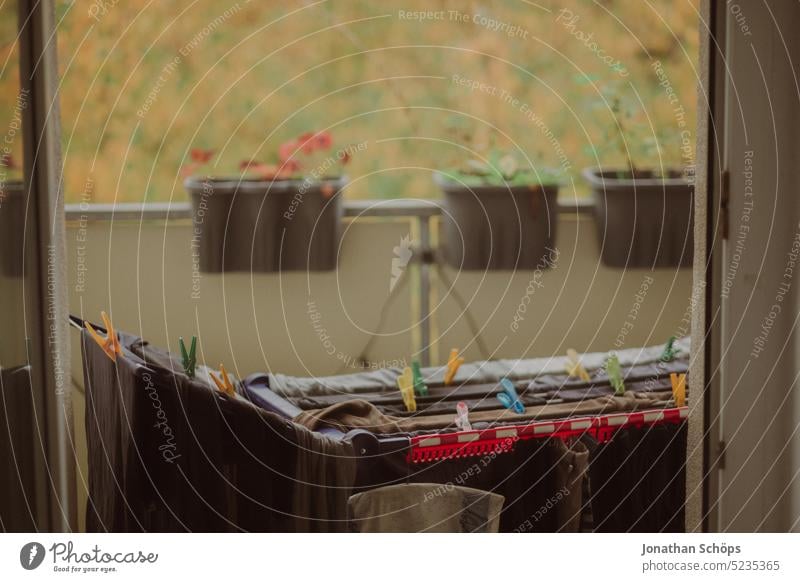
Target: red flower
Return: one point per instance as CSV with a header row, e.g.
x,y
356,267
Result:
x,y
287,150
201,156
307,143
289,168
323,140
189,169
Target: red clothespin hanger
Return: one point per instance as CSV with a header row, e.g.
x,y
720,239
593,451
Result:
x,y
110,343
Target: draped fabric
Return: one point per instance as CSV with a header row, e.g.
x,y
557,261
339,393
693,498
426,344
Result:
x,y
168,453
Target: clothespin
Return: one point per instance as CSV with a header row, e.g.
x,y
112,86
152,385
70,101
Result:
x,y
419,384
678,388
614,371
224,383
189,359
669,352
574,367
405,382
110,343
453,364
462,416
508,397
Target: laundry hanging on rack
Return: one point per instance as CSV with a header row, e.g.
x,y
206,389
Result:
x,y
169,453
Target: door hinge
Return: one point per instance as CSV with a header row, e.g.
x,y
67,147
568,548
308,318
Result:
x,y
724,202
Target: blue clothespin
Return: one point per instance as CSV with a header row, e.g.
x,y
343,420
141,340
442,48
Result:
x,y
189,358
508,397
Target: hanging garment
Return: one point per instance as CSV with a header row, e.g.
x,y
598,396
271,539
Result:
x,y
526,477
425,507
638,480
166,453
323,482
571,462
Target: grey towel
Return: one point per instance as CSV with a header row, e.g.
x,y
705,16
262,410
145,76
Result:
x,y
425,507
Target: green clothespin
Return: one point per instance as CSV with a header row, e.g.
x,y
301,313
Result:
x,y
419,385
669,352
189,359
614,371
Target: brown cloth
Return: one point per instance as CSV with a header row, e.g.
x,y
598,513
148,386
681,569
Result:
x,y
324,480
353,414
571,462
425,507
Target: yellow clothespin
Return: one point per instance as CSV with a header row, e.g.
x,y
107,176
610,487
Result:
x,y
453,364
110,343
224,384
405,382
678,388
574,367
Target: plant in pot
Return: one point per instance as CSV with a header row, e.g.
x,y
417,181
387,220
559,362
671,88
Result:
x,y
281,215
643,215
12,216
499,214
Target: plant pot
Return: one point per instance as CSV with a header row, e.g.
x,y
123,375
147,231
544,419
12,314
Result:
x,y
644,221
498,227
12,227
265,226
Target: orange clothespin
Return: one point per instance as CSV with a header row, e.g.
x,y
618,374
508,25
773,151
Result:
x,y
224,383
110,343
678,388
453,364
574,367
405,382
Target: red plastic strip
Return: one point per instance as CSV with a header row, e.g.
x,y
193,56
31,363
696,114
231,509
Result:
x,y
453,445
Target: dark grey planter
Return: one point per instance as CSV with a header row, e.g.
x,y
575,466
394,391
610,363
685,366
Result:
x,y
12,227
498,228
263,226
643,222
